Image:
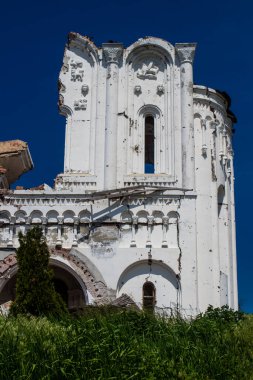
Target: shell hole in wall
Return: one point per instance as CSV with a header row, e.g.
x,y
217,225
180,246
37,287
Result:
x,y
149,145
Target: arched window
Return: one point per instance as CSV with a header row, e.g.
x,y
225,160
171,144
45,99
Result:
x,y
148,296
149,144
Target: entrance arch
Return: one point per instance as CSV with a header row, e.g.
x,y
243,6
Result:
x,y
67,283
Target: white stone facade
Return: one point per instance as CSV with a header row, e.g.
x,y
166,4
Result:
x,y
147,192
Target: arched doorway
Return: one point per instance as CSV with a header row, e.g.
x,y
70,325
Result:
x,y
67,283
61,288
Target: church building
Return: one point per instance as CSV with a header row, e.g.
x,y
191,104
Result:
x,y
143,211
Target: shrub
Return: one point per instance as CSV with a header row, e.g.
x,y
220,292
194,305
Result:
x,y
126,345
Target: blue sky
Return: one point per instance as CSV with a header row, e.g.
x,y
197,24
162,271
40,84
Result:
x,y
33,37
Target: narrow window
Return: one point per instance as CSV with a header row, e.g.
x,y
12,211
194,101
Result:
x,y
148,296
149,144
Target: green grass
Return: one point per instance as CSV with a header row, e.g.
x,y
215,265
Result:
x,y
127,345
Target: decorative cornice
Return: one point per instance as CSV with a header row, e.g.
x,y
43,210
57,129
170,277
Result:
x,y
57,198
112,52
186,52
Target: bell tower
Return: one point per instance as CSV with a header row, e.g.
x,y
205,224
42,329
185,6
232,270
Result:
x,y
144,209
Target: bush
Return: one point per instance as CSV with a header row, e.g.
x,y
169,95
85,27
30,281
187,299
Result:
x,y
127,345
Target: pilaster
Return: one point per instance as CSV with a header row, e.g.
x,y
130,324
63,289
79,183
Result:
x,y
185,52
112,54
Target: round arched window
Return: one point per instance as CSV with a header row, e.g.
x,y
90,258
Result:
x,y
148,296
149,144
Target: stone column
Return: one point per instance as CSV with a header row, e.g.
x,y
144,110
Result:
x,y
165,228
43,226
150,224
134,226
112,54
186,55
11,231
59,231
76,223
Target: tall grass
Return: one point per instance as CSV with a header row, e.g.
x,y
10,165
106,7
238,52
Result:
x,y
126,345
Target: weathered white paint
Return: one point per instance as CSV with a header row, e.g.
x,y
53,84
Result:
x,y
171,235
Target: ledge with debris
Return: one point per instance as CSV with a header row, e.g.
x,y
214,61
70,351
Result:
x,y
15,160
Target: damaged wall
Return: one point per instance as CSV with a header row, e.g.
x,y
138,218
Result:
x,y
172,226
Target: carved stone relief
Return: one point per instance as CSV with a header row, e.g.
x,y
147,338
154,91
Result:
x,y
60,100
160,89
137,90
76,72
85,89
80,104
186,52
112,52
148,71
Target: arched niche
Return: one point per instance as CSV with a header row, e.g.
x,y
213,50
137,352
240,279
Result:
x,y
85,216
126,217
157,45
142,216
20,217
149,65
159,274
68,217
158,217
173,216
150,144
5,217
52,217
78,92
36,217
